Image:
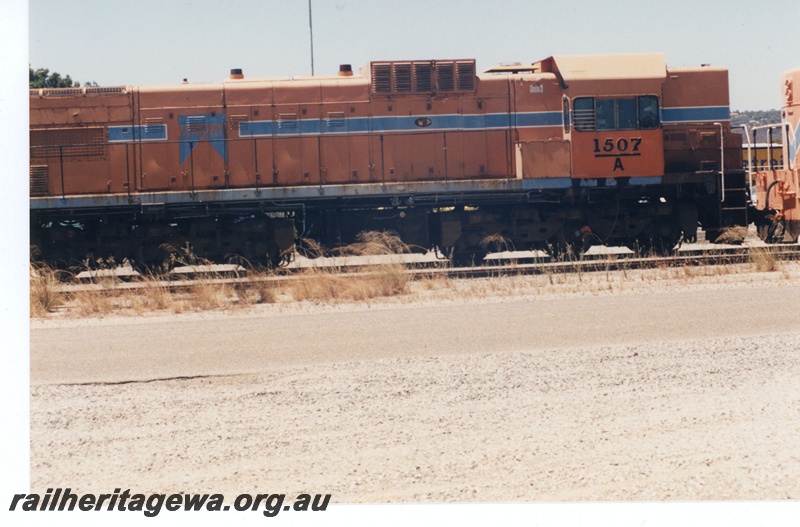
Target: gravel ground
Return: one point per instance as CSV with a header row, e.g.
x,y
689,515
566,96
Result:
x,y
703,419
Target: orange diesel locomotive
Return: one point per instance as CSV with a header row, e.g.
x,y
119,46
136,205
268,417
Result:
x,y
560,154
777,214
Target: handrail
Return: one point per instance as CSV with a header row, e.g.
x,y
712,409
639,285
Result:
x,y
770,128
722,159
749,149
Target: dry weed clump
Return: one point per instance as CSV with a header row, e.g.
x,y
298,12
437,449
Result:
x,y
763,260
732,235
44,298
435,282
94,303
256,292
496,243
377,280
152,296
374,243
208,296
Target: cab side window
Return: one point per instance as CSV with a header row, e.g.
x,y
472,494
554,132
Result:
x,y
606,114
648,112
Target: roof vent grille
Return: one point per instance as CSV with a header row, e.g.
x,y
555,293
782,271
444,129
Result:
x,y
423,77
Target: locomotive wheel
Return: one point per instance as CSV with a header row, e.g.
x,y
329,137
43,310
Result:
x,y
150,259
568,244
467,257
655,247
771,232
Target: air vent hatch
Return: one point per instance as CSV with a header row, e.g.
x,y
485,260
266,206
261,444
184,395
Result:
x,y
423,77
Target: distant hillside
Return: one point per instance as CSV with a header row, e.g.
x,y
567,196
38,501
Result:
x,y
756,118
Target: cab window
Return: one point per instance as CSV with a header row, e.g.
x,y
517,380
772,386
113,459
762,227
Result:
x,y
648,112
622,113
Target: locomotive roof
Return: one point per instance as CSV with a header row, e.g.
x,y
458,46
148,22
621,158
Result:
x,y
649,66
599,67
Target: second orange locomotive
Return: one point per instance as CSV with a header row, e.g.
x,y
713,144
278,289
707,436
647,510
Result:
x,y
570,150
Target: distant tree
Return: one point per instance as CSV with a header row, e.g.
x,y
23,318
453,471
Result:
x,y
42,78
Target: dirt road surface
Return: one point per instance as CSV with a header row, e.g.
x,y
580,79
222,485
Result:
x,y
676,395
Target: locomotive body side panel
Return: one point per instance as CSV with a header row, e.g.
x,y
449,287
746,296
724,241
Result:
x,y
295,118
69,137
493,95
345,147
538,119
696,103
194,154
249,157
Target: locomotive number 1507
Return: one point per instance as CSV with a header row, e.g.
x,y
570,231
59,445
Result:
x,y
617,147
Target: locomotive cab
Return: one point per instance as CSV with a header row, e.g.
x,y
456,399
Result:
x,y
614,120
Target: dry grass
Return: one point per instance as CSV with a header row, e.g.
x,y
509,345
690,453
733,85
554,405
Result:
x,y
388,278
496,243
732,235
154,294
44,298
763,260
94,303
207,296
390,281
256,292
371,243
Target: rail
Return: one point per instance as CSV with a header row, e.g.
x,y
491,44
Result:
x,y
188,276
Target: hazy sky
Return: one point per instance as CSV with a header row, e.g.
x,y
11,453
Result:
x,y
162,41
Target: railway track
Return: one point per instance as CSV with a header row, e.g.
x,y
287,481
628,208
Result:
x,y
496,265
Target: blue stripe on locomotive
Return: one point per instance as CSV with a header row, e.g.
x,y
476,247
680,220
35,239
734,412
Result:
x,y
393,124
695,114
148,132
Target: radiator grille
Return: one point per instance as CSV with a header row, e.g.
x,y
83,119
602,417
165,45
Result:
x,y
68,142
445,77
465,75
382,78
38,180
106,90
423,77
72,92
402,78
62,92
